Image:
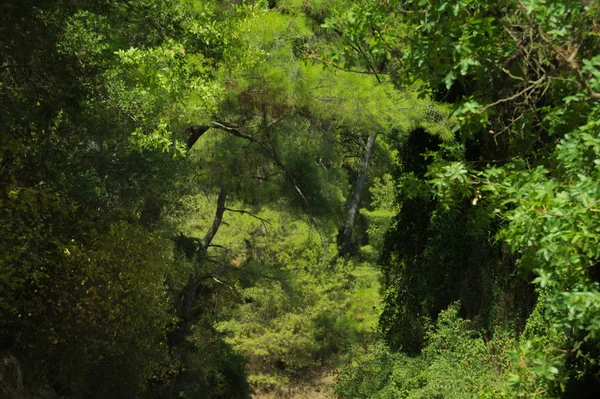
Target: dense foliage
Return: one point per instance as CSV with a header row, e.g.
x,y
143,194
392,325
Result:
x,y
518,176
208,198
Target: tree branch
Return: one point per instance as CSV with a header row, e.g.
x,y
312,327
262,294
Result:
x,y
210,234
263,221
515,96
232,129
331,64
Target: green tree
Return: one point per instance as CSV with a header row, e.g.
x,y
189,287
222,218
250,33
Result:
x,y
91,99
521,77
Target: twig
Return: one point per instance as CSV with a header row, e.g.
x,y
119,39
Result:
x,y
584,340
331,64
513,97
263,221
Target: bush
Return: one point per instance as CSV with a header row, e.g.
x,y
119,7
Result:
x,y
456,363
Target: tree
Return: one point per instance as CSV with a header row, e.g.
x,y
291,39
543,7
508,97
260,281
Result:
x,y
246,146
521,77
81,247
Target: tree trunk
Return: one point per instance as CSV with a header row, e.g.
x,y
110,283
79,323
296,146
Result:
x,y
188,295
345,237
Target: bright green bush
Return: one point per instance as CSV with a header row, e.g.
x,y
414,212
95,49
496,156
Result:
x,y
304,307
455,363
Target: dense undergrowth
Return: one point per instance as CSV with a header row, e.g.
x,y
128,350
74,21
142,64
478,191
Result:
x,y
212,198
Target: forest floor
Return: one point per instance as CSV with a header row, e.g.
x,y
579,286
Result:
x,y
317,384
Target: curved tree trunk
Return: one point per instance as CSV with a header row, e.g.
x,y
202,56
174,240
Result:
x,y
345,237
188,295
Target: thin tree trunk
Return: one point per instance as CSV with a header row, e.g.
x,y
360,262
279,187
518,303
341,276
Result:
x,y
188,296
345,237
210,234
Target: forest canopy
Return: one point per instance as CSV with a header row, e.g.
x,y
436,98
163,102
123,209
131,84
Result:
x,y
359,199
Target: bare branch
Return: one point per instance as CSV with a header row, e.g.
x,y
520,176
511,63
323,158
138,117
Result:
x,y
515,96
263,221
226,285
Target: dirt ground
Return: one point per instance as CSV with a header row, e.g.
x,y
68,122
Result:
x,y
318,385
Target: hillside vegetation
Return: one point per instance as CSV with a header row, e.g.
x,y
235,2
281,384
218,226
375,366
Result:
x,y
299,199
